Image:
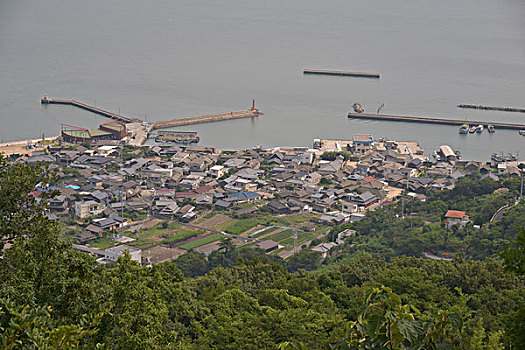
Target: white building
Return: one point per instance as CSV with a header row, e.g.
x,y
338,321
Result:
x,y
218,171
112,254
88,208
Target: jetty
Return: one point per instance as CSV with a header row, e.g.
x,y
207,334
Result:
x,y
411,119
342,73
492,108
120,118
201,119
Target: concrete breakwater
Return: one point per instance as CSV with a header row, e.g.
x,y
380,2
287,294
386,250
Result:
x,y
120,118
342,73
434,120
493,108
210,118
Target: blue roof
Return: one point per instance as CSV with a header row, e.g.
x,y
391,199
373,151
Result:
x,y
244,195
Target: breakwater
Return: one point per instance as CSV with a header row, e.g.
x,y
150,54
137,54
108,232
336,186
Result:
x,y
412,119
493,108
210,118
341,73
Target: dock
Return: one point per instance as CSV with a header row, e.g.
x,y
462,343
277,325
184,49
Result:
x,y
210,118
342,73
120,118
492,108
411,119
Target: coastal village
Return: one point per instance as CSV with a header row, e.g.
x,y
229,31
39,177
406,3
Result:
x,y
160,201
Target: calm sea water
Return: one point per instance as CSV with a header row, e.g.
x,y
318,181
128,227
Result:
x,y
163,59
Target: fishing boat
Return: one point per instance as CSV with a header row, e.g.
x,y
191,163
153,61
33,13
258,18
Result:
x,y
358,108
497,157
472,129
463,129
479,129
490,128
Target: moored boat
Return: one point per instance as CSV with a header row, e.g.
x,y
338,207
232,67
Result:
x,y
522,132
490,128
358,108
463,129
479,129
472,129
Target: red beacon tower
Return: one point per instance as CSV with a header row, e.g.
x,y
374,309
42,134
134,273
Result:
x,y
253,105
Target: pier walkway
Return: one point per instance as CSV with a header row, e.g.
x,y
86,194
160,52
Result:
x,y
398,118
210,118
114,116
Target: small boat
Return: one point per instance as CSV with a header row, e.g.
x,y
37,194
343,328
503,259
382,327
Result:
x,y
458,155
511,157
490,128
479,129
463,129
497,157
358,108
472,129
522,132
437,156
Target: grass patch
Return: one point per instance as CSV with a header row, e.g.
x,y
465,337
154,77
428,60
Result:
x,y
279,236
181,235
201,242
102,243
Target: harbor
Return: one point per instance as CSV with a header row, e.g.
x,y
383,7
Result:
x,y
413,119
342,73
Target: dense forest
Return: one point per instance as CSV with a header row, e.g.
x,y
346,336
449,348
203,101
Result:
x,y
376,292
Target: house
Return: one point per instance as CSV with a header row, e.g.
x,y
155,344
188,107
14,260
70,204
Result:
x,y
267,245
334,218
456,217
88,208
278,207
363,200
58,203
362,143
324,248
218,171
112,254
349,208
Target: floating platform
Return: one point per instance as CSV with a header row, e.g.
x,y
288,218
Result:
x,y
492,108
342,73
120,118
210,118
410,119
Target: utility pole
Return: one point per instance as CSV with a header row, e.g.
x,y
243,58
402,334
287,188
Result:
x,y
522,168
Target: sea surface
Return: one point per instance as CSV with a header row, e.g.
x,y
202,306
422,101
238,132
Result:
x,y
161,59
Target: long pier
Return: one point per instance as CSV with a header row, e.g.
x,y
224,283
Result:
x,y
492,108
210,118
341,73
434,120
114,116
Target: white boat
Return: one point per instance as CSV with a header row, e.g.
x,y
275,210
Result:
x,y
479,128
